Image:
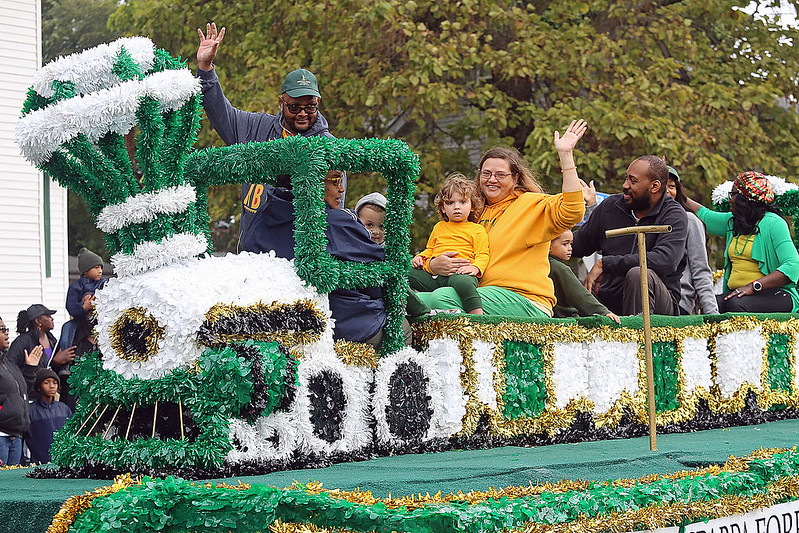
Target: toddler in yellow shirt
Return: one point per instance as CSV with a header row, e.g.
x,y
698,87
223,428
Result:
x,y
459,206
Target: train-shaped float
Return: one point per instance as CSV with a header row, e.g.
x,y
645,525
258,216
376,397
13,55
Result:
x,y
226,364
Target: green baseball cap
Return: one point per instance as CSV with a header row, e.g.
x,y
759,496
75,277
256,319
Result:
x,y
300,82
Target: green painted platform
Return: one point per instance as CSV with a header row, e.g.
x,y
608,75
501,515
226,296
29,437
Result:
x,y
28,504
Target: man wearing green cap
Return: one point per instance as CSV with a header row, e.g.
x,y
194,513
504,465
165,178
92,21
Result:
x,y
299,115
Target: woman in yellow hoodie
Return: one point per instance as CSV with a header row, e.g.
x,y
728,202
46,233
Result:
x,y
520,220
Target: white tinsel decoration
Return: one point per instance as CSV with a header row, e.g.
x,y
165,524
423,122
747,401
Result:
x,y
93,69
42,132
446,353
721,192
178,296
145,207
570,372
255,443
150,255
696,365
781,186
355,430
739,360
613,368
485,369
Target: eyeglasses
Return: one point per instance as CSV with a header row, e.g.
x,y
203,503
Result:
x,y
335,181
4,330
485,174
295,109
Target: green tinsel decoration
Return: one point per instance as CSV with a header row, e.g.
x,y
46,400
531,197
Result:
x,y
307,160
665,364
213,396
176,504
525,390
102,173
779,362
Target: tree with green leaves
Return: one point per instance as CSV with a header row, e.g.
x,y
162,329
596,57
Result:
x,y
704,84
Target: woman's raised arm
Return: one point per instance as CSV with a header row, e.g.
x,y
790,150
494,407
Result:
x,y
565,147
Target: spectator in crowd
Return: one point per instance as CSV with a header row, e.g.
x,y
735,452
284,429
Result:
x,y
14,385
573,299
520,220
80,297
696,284
371,211
35,326
761,265
47,415
615,279
299,115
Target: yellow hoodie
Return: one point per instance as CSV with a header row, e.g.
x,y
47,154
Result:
x,y
519,230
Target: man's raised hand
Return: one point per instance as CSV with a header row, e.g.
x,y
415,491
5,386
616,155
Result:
x,y
209,44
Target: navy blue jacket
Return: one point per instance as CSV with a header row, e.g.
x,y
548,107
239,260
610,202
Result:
x,y
359,314
46,419
235,126
75,292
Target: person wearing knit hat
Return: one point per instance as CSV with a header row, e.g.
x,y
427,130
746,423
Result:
x,y
88,260
43,374
761,264
371,211
80,297
47,416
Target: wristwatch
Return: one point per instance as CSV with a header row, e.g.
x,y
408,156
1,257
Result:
x,y
757,286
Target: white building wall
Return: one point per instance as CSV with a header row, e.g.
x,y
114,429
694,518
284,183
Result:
x,y
24,278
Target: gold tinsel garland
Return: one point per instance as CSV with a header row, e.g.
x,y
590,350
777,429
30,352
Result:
x,y
661,515
653,516
75,505
356,354
411,502
287,527
464,332
650,517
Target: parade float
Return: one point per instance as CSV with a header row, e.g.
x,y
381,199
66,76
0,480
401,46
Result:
x,y
219,366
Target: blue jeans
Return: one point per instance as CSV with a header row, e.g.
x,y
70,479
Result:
x,y
10,450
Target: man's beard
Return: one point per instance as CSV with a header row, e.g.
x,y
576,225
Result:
x,y
639,203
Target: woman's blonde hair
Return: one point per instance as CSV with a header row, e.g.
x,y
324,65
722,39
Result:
x,y
525,182
458,183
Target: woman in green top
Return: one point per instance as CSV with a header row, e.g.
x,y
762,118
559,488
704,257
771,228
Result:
x,y
761,265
